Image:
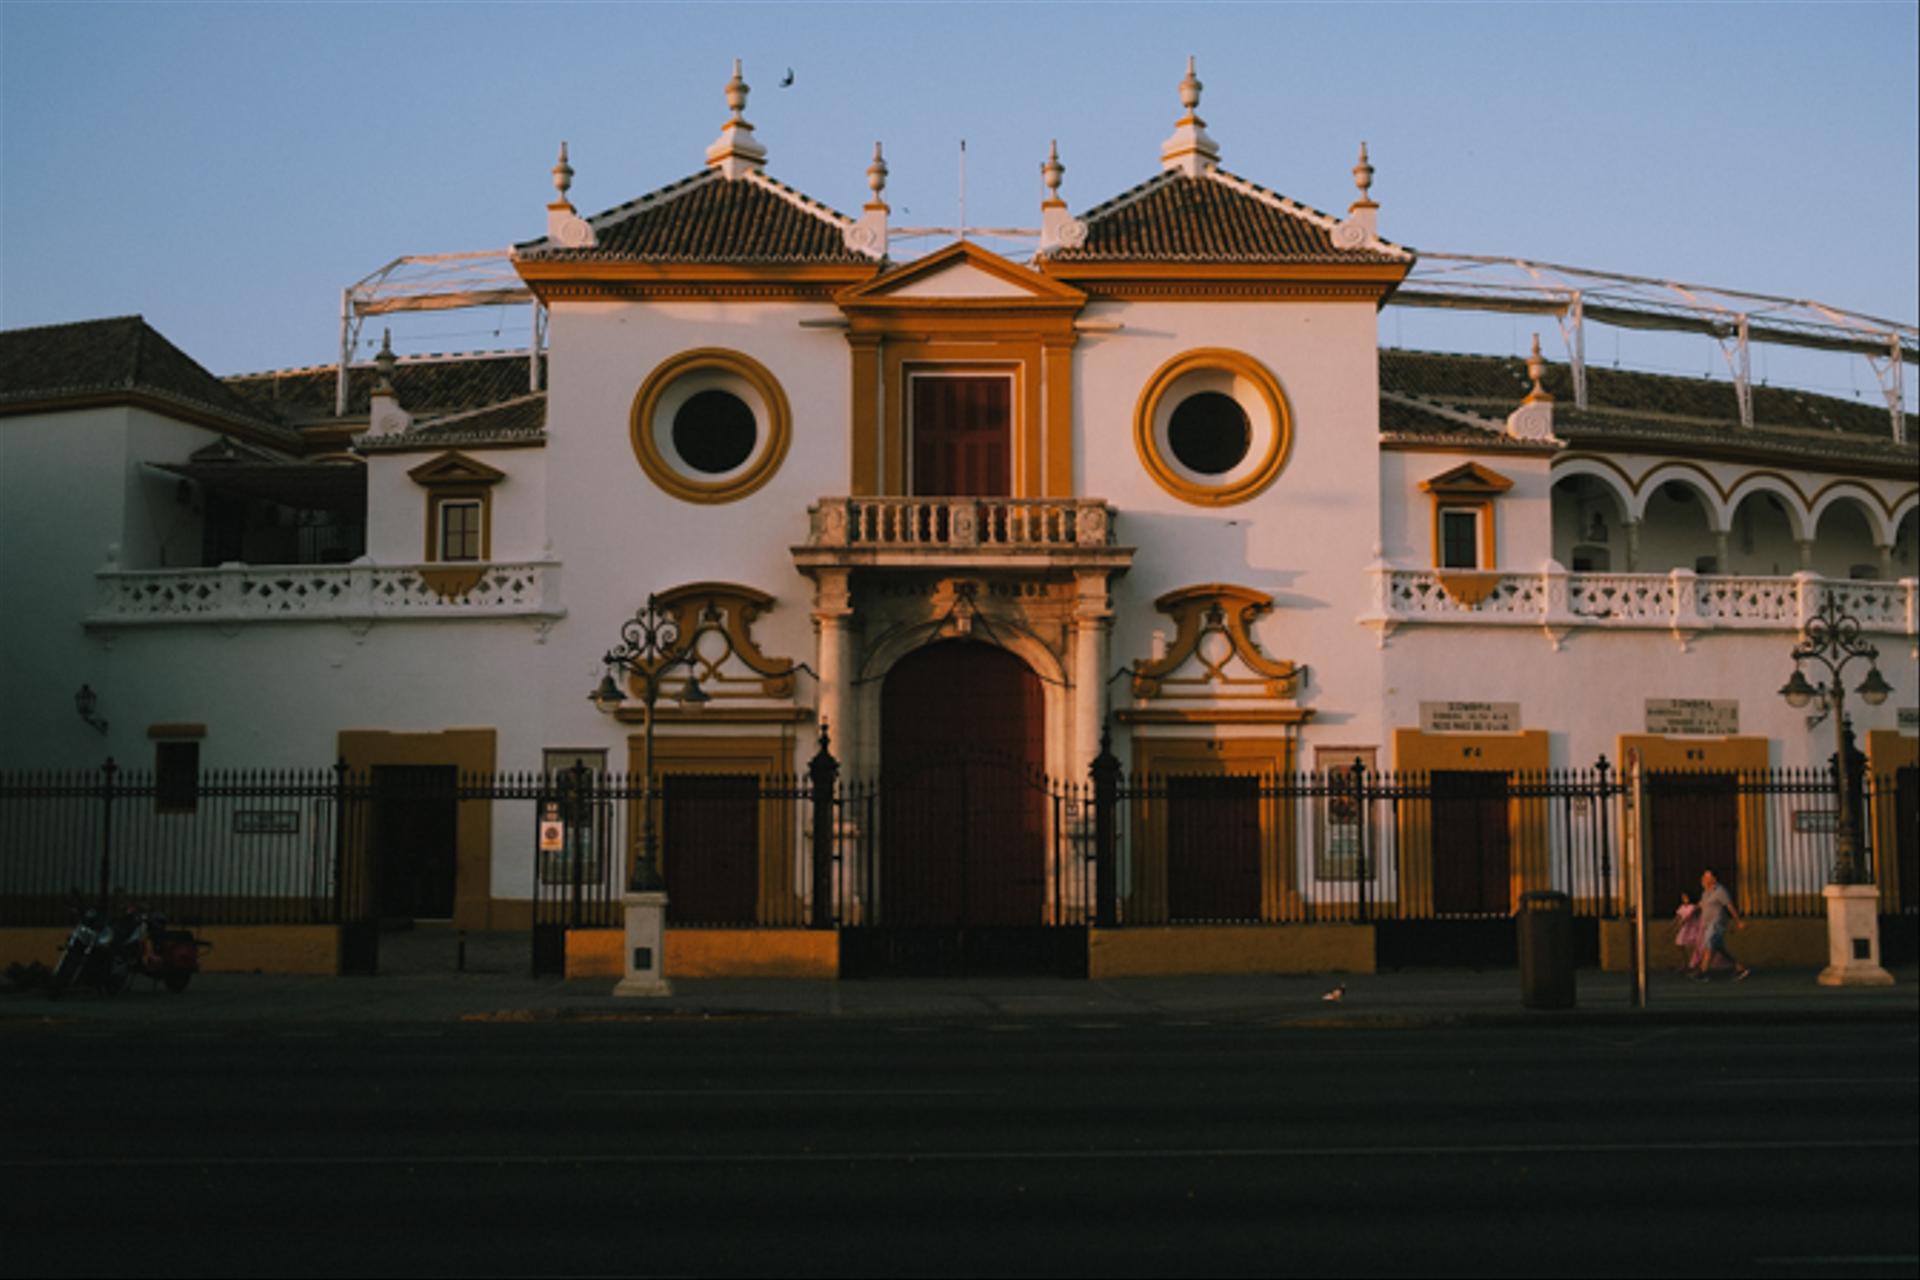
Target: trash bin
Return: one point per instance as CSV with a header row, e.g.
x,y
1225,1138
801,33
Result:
x,y
1546,949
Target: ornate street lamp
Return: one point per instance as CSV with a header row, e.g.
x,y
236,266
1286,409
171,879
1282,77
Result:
x,y
1832,638
650,646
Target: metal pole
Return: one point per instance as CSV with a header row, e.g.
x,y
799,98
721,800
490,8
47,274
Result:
x,y
107,771
1633,828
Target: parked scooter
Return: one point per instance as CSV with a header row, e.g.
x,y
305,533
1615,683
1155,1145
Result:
x,y
170,956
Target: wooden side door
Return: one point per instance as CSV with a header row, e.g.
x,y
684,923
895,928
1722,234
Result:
x,y
1213,849
1693,825
415,833
962,429
1472,846
710,848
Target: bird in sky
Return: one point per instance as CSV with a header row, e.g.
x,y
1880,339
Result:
x,y
788,80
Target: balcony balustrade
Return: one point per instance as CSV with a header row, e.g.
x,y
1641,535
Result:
x,y
353,593
1681,601
898,531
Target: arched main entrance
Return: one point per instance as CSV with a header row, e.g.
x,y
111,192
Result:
x,y
964,874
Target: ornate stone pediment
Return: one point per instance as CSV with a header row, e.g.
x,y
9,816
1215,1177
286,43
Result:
x,y
713,638
1214,657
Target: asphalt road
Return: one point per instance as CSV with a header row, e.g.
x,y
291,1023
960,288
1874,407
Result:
x,y
789,1146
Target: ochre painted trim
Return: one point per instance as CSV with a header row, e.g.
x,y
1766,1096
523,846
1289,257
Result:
x,y
763,756
1214,756
468,751
1056,363
1165,471
576,281
1145,952
1214,715
1888,751
1416,751
768,454
751,953
1666,754
865,418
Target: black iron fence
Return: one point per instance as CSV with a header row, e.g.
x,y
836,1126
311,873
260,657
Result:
x,y
972,843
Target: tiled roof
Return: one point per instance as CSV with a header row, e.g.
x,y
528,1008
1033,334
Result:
x,y
1216,217
710,218
427,386
120,356
1643,411
519,421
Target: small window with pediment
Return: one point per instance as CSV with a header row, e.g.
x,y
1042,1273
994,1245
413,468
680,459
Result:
x,y
459,507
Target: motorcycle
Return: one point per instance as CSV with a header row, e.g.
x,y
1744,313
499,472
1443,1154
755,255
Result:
x,y
99,952
106,953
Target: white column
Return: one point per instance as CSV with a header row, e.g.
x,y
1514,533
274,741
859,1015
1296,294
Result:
x,y
833,619
1092,615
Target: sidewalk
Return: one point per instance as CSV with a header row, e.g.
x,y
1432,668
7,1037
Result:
x,y
1409,998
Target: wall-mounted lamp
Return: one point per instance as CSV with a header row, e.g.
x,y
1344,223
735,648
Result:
x,y
84,702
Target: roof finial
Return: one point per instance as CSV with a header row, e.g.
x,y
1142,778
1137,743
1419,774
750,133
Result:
x,y
1363,175
1058,228
1190,150
1051,170
563,175
736,150
868,236
877,175
1537,369
383,364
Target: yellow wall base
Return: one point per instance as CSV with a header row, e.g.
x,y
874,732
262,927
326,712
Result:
x,y
237,948
1764,944
752,953
714,953
1294,948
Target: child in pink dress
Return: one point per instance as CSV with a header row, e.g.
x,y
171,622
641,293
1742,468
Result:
x,y
1686,931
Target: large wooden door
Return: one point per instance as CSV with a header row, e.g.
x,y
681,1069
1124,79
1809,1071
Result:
x,y
1472,846
1693,825
963,746
962,435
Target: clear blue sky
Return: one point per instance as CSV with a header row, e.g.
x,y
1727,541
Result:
x,y
225,169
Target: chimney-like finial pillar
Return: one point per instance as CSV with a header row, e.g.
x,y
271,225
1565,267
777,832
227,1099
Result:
x,y
565,227
1533,420
1190,150
736,151
1361,228
1058,228
869,235
384,414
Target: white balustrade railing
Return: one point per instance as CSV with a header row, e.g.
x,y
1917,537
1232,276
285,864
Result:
x,y
236,593
965,524
1681,600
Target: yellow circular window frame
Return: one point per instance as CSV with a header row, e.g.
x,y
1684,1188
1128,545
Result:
x,y
776,426
1167,473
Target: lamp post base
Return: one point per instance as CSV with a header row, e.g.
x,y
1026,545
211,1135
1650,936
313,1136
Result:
x,y
1853,937
646,920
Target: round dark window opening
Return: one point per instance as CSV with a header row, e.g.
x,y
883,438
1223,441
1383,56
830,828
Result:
x,y
714,432
1208,433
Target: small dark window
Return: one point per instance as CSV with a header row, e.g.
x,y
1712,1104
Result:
x,y
714,432
1208,433
1459,539
176,777
460,530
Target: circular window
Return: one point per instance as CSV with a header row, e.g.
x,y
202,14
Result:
x,y
1212,427
1208,433
714,431
710,425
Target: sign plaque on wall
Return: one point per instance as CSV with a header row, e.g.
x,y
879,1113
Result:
x,y
266,822
1715,716
1470,717
1909,717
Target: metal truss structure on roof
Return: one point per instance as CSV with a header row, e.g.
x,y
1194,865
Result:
x,y
1735,319
435,282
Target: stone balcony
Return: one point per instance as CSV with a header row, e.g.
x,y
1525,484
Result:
x,y
357,594
1003,533
1682,602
